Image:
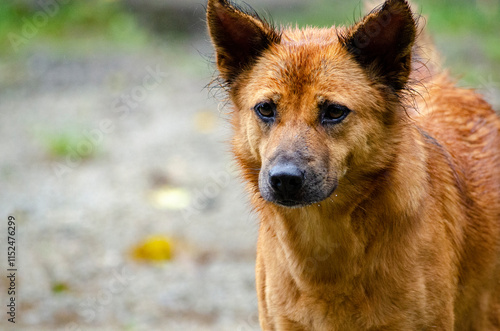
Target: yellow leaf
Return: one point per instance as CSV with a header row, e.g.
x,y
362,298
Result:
x,y
155,249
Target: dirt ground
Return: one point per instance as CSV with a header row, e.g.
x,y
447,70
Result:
x,y
151,159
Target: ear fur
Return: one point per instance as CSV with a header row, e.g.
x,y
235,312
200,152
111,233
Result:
x,y
239,38
382,43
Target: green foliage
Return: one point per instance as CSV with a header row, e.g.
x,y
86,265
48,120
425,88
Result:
x,y
467,34
462,16
22,25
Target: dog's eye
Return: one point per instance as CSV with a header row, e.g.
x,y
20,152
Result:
x,y
266,111
333,113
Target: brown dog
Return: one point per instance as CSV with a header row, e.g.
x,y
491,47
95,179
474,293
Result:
x,y
379,210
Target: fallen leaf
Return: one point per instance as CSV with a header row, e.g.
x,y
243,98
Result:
x,y
155,249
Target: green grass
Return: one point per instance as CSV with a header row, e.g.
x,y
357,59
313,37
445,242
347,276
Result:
x,y
68,144
60,287
22,26
462,16
473,27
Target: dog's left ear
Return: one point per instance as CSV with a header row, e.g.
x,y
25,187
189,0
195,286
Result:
x,y
239,38
382,43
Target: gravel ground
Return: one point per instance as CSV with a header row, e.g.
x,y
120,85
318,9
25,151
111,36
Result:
x,y
78,217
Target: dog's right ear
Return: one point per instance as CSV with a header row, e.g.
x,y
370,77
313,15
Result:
x,y
239,38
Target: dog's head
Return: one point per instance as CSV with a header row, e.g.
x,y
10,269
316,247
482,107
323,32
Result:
x,y
316,106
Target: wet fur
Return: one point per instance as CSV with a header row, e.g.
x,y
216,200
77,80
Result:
x,y
410,237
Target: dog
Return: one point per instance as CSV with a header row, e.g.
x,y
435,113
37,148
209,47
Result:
x,y
376,179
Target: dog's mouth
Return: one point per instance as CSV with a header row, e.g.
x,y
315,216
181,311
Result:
x,y
290,203
306,197
302,203
293,185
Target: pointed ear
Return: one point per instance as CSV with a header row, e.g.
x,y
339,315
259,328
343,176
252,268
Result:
x,y
239,38
382,43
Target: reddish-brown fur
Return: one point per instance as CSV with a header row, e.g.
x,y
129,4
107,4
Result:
x,y
398,224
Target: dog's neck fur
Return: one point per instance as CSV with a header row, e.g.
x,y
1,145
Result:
x,y
360,221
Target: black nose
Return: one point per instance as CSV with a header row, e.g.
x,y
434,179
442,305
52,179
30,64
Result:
x,y
286,180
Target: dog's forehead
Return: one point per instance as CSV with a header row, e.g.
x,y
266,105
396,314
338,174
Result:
x,y
308,51
305,60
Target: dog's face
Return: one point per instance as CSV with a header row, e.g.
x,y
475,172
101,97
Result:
x,y
305,109
312,106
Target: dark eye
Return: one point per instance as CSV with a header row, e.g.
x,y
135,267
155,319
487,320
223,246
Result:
x,y
266,111
333,113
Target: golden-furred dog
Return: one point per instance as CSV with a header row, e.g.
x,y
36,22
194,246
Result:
x,y
376,179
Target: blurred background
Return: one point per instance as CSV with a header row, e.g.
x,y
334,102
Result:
x,y
115,163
